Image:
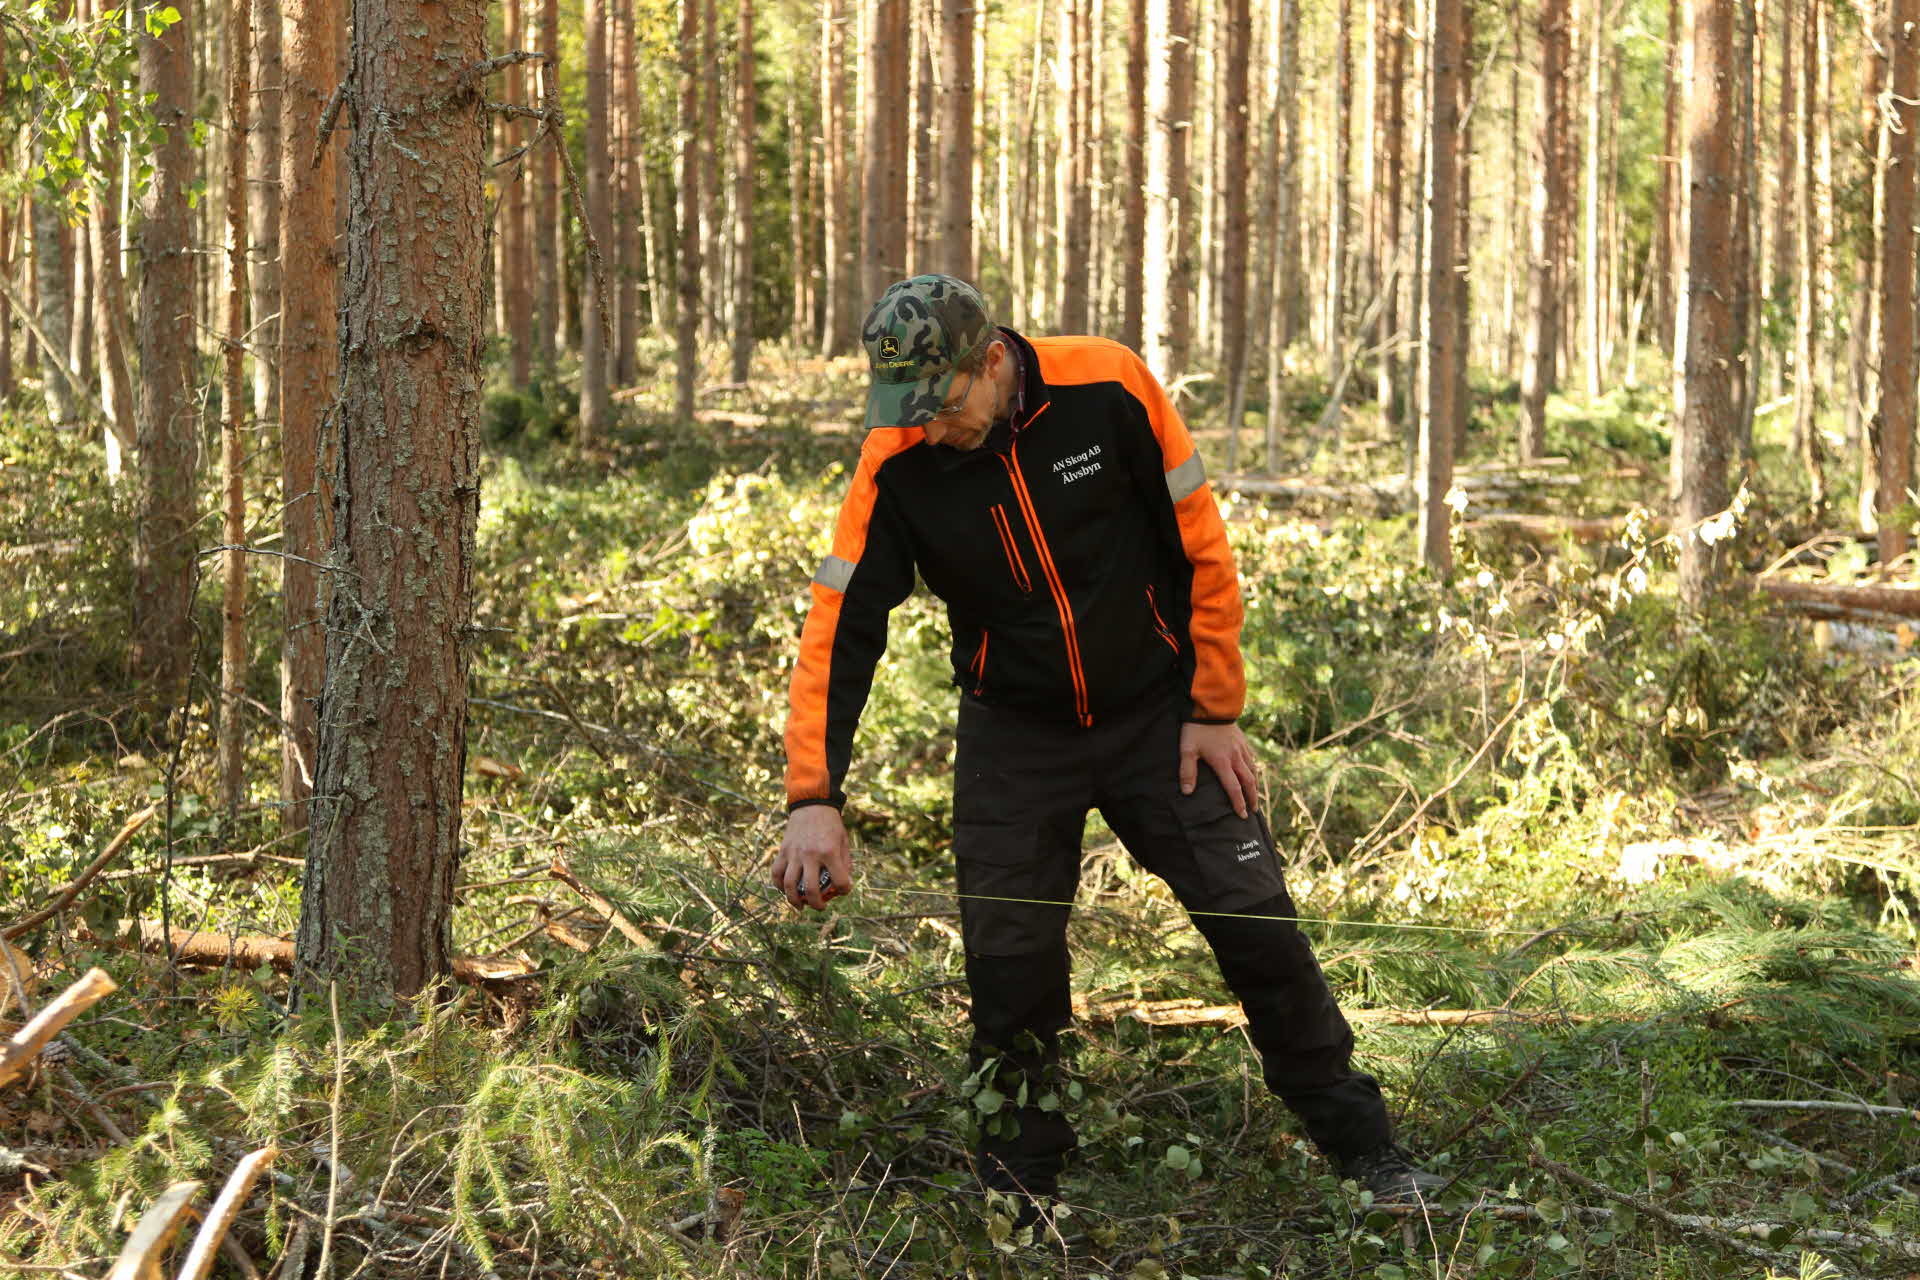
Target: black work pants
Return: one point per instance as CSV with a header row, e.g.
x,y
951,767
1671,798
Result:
x,y
1022,791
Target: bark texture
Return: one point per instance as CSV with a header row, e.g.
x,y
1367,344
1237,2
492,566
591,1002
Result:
x,y
1547,203
168,411
263,187
596,399
1437,425
1897,247
234,404
687,318
1708,434
378,889
743,169
956,137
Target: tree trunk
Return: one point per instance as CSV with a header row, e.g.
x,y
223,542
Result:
x,y
629,176
309,292
1708,435
1166,308
1740,268
1388,390
264,216
1537,377
546,221
596,399
1806,346
1875,141
515,251
1437,425
378,890
1590,255
1336,303
1288,286
1237,182
1139,145
1786,203
168,409
8,375
1073,197
233,402
1463,236
109,296
54,310
956,138
744,166
1897,245
839,329
1860,347
686,321
883,185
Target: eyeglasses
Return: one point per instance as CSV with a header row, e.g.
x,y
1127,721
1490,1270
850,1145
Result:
x,y
953,410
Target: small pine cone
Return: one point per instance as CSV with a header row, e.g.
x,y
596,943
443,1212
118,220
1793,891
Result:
x,y
56,1054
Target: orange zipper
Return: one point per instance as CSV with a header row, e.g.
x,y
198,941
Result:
x,y
979,667
1159,623
1011,460
1014,561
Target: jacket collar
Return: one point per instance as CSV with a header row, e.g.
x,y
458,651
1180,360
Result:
x,y
1030,397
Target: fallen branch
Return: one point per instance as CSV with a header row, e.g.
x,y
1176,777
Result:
x,y
1187,1012
1856,1108
29,1040
140,1258
1547,530
259,950
1874,1189
1700,1226
226,1207
628,929
81,881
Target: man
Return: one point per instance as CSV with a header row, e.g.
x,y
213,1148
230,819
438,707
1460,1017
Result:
x,y
1048,492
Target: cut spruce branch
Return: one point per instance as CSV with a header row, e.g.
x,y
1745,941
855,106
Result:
x,y
26,1043
81,881
1855,1108
631,932
259,950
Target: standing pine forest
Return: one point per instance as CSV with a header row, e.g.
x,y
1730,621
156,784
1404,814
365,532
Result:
x,y
420,421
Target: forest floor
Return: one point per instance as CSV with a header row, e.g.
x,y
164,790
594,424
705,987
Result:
x,y
1596,877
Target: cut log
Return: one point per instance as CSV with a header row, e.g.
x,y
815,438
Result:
x,y
1831,600
259,950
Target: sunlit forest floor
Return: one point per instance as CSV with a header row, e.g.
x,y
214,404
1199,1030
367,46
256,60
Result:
x,y
1669,863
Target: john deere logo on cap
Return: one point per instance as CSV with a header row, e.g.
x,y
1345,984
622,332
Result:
x,y
889,348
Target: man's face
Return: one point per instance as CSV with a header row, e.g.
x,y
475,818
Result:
x,y
966,417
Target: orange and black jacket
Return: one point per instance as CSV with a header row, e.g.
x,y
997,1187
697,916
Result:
x,y
1079,551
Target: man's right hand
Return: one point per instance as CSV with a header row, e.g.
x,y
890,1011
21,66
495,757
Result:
x,y
816,841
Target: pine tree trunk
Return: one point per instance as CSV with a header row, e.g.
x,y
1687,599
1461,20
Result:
x,y
1437,426
1167,296
1664,301
109,296
1590,256
800,198
264,216
1897,246
883,186
1139,145
596,399
233,403
744,165
1537,376
377,895
1463,235
1740,268
1238,183
1712,128
629,177
309,290
1336,302
1786,203
54,280
1863,402
839,329
686,321
168,410
9,377
547,221
1388,391
955,236
1806,345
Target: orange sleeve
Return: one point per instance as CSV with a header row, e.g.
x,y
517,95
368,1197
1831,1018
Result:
x,y
1219,689
868,572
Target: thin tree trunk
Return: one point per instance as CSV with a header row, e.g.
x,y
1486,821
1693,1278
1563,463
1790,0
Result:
x,y
1437,425
1897,247
1289,237
168,410
1167,297
1139,145
233,403
1238,182
1665,303
1463,235
799,198
1708,436
687,318
54,307
1389,391
1740,267
1786,203
547,220
309,292
1806,346
839,328
377,896
1266,291
1537,377
1590,257
956,138
110,296
596,399
515,282
744,109
9,378
1868,318
264,216
883,199
629,177
1336,304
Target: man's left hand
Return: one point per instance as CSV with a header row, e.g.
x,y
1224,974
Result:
x,y
1228,752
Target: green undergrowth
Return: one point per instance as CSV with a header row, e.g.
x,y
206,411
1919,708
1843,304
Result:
x,y
1669,859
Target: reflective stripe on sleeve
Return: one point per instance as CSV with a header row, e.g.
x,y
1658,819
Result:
x,y
1186,478
835,573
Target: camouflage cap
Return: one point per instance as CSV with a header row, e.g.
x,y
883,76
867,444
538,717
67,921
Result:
x,y
919,330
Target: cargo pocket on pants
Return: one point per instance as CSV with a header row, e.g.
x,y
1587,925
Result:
x,y
1235,857
1001,868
